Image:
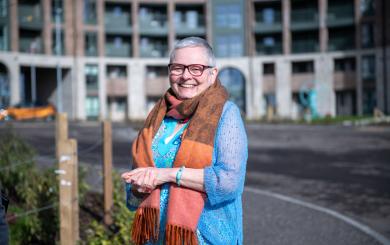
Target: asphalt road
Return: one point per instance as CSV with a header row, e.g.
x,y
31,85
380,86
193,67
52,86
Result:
x,y
343,169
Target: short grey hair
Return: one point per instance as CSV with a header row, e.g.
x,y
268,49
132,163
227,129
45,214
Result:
x,y
194,42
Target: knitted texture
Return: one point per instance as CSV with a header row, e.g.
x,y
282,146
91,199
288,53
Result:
x,y
221,218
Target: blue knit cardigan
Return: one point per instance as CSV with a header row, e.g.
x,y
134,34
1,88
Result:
x,y
221,219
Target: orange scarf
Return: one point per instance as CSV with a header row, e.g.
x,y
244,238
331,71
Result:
x,y
184,205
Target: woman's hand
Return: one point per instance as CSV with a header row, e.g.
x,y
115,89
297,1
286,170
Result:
x,y
147,179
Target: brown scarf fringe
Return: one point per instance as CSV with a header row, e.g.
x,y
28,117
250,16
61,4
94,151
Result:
x,y
145,225
176,235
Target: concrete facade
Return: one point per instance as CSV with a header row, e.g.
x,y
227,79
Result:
x,y
337,91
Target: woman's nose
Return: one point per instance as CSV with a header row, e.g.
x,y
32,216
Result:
x,y
186,73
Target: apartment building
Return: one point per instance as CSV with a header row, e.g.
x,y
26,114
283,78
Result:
x,y
99,59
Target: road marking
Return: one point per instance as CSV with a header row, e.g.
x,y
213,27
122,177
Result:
x,y
333,213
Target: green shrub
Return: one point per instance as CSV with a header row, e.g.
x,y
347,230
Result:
x,y
120,231
30,190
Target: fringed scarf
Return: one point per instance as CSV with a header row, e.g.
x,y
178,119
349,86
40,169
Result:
x,y
185,205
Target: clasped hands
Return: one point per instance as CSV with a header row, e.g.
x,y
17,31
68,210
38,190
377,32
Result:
x,y
145,180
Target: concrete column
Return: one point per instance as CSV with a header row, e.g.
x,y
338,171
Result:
x,y
69,30
171,25
359,85
47,37
257,87
323,8
286,10
326,96
81,91
136,91
78,28
379,81
100,23
208,11
14,80
135,27
387,80
102,90
358,17
283,88
14,26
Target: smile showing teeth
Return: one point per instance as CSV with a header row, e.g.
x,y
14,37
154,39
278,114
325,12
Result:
x,y
187,85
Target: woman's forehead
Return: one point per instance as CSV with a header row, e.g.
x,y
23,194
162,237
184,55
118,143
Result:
x,y
190,55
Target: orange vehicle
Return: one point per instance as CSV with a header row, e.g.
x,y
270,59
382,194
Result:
x,y
26,112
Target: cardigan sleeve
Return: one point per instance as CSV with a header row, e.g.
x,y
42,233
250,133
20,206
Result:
x,y
224,179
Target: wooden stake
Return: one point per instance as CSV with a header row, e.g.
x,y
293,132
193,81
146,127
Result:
x,y
66,151
107,172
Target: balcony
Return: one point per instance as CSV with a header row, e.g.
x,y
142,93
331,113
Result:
x,y
30,44
304,46
113,50
298,81
344,80
189,21
267,49
262,27
269,83
340,15
342,39
304,19
30,16
268,20
117,86
153,48
153,21
183,29
117,19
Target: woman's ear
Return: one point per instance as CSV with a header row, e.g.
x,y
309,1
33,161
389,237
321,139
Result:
x,y
214,74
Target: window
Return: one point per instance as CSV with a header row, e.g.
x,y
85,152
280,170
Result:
x,y
368,67
302,67
367,7
91,77
58,50
229,46
3,38
345,64
89,12
367,35
228,15
57,6
268,68
116,71
90,47
92,107
268,15
3,8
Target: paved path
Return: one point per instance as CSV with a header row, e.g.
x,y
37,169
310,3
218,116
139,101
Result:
x,y
271,219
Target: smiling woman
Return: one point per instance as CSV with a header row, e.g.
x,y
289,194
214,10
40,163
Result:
x,y
189,158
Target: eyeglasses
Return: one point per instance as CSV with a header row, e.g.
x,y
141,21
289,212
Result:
x,y
193,69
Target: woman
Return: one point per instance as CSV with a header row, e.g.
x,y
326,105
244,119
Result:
x,y
189,158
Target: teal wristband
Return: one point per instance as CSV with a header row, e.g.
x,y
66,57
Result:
x,y
178,175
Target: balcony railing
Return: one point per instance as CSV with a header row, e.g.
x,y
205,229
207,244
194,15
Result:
x,y
30,45
154,51
265,49
30,16
114,51
340,15
344,80
304,46
303,19
117,24
341,43
262,27
183,28
151,26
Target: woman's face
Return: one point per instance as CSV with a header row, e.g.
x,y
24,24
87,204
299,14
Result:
x,y
186,85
